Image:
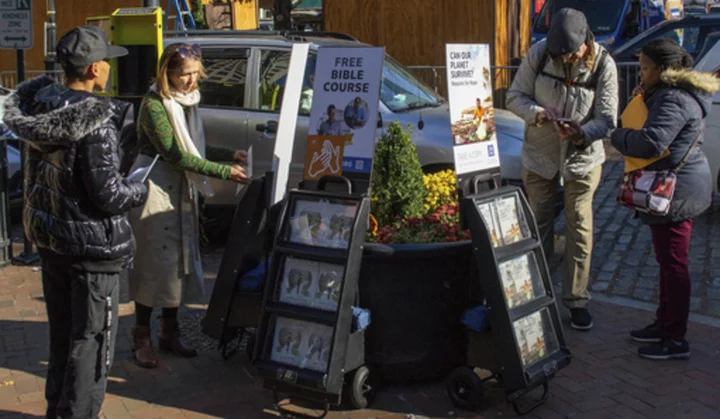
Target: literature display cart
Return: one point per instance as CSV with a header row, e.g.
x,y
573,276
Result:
x,y
233,308
305,344
525,345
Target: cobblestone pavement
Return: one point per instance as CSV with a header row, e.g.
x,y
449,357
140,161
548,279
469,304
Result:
x,y
623,261
606,379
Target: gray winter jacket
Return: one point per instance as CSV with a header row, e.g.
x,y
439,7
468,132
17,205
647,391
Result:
x,y
544,152
676,110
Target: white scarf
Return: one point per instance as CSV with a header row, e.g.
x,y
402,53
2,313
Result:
x,y
191,142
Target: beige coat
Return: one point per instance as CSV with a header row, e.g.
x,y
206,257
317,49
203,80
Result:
x,y
167,264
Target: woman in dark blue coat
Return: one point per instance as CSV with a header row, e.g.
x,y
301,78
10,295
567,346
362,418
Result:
x,y
678,100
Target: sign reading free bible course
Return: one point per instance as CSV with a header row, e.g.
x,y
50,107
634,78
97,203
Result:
x,y
343,119
472,115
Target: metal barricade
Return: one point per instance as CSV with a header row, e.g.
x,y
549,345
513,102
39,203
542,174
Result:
x,y
436,78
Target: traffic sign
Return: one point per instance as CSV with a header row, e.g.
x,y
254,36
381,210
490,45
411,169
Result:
x,y
16,28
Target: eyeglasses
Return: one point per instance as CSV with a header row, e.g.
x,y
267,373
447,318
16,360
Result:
x,y
190,51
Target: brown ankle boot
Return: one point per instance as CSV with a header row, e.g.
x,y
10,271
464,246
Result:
x,y
142,347
170,340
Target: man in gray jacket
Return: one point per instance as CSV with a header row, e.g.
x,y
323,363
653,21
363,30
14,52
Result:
x,y
566,91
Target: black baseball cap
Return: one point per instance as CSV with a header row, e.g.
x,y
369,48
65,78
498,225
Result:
x,y
85,45
568,30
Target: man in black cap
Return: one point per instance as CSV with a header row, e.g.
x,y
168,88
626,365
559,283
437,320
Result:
x,y
75,212
566,91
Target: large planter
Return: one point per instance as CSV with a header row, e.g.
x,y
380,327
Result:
x,y
416,295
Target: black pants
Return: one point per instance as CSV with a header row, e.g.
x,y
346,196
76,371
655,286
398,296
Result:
x,y
82,311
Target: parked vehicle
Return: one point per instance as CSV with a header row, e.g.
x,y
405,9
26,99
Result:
x,y
690,31
241,102
711,146
692,10
613,22
696,34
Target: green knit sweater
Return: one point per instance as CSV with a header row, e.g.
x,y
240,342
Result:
x,y
156,136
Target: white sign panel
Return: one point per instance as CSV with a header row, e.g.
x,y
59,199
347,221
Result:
x,y
472,115
285,137
16,28
344,111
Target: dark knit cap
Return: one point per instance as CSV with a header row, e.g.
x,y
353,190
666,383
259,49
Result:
x,y
667,53
568,31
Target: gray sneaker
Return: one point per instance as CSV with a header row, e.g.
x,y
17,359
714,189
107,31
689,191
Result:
x,y
667,349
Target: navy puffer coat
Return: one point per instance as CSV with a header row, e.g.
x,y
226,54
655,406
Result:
x,y
676,111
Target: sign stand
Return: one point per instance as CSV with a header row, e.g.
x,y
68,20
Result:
x,y
526,345
233,308
311,338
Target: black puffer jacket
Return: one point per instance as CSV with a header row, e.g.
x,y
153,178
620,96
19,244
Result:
x,y
76,202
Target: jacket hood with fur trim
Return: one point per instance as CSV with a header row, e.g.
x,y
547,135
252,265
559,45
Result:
x,y
43,112
699,84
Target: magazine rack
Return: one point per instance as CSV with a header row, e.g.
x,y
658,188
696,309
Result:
x,y
525,346
304,344
232,310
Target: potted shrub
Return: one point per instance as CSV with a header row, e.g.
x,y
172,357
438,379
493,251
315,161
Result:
x,y
418,269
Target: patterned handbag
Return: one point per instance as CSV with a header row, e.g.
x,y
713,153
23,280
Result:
x,y
652,191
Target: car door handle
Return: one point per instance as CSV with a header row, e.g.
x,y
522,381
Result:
x,y
270,127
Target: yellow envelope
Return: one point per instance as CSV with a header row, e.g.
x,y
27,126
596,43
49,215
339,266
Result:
x,y
634,117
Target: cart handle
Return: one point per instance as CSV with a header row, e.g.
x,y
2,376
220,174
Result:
x,y
377,249
483,178
334,179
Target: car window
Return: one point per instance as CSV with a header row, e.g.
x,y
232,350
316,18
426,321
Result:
x,y
687,37
401,91
226,78
274,66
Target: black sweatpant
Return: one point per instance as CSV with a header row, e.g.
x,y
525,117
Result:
x,y
82,311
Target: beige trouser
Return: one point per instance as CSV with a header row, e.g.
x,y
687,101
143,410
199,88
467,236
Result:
x,y
542,195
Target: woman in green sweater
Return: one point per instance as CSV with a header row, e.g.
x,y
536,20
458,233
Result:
x,y
166,229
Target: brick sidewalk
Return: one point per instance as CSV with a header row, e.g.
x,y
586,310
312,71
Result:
x,y
623,263
605,379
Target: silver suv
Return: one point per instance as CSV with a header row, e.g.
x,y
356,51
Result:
x,y
242,98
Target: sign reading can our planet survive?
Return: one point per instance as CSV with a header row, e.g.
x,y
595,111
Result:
x,y
16,26
472,115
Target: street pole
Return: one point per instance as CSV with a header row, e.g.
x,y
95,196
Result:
x,y
51,65
27,257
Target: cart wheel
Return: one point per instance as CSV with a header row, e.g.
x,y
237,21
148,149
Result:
x,y
360,392
227,352
465,388
250,346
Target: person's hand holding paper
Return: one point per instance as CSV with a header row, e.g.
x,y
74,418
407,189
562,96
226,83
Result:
x,y
634,117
